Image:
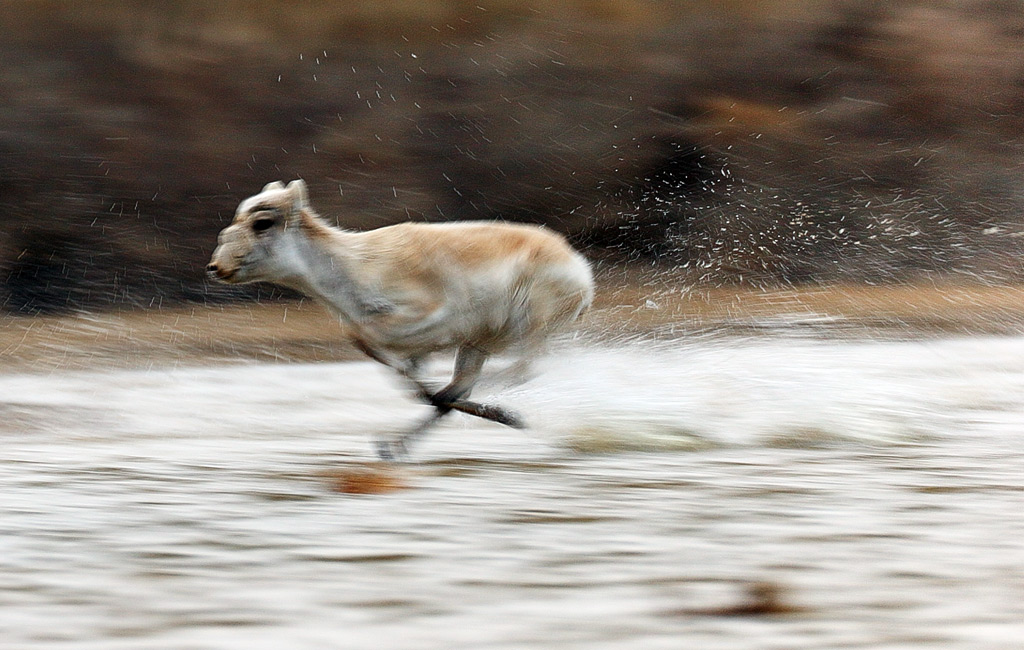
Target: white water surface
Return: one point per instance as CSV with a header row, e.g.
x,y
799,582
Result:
x,y
881,484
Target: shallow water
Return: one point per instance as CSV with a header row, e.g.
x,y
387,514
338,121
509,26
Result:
x,y
878,484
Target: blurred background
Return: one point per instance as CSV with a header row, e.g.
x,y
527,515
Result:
x,y
792,420
767,142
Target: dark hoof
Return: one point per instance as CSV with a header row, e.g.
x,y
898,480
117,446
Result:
x,y
443,400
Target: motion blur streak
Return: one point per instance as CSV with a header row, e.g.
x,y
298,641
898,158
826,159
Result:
x,y
877,482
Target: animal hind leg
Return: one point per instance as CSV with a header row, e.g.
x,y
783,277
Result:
x,y
468,363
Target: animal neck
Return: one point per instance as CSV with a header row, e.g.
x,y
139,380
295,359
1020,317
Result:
x,y
327,262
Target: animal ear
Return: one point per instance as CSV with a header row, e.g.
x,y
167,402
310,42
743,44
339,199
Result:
x,y
300,199
276,185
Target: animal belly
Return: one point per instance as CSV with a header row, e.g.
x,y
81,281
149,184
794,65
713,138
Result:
x,y
439,334
415,336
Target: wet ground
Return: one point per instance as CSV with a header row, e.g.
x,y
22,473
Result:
x,y
866,485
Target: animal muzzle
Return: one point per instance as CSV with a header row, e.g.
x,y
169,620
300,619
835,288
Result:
x,y
218,272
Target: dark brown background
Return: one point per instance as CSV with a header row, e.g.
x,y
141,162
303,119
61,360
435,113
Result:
x,y
766,142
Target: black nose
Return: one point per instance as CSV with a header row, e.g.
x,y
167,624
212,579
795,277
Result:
x,y
211,269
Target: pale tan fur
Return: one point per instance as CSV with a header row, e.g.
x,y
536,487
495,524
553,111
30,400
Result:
x,y
408,290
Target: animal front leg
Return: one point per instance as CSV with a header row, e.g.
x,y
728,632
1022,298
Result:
x,y
409,368
468,363
397,447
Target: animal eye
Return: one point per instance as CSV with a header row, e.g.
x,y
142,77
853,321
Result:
x,y
262,224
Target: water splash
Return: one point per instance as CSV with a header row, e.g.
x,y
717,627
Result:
x,y
775,393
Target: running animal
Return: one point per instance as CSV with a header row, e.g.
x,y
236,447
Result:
x,y
408,290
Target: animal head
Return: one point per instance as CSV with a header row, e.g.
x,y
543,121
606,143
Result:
x,y
260,243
